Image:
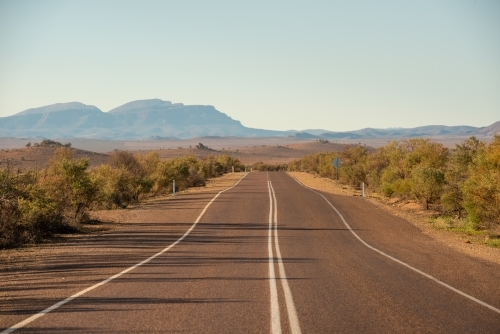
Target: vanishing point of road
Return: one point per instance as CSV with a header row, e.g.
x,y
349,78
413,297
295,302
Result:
x,y
266,255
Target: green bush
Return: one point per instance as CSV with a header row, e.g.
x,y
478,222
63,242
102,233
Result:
x,y
262,167
481,190
117,187
68,184
27,214
456,173
464,181
427,184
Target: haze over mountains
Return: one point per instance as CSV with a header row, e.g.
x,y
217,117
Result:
x,y
157,119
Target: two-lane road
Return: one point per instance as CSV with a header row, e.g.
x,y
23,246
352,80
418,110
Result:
x,y
270,255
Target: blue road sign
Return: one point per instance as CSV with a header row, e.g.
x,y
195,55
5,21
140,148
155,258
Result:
x,y
336,163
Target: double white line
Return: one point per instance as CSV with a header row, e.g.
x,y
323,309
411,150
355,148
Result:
x,y
275,309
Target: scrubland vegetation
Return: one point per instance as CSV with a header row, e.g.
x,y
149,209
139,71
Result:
x,y
462,184
37,203
263,167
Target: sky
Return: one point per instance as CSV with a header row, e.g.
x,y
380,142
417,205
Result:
x,y
281,65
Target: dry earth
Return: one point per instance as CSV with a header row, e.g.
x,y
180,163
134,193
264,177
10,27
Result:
x,y
218,143
271,150
409,210
271,154
258,150
38,157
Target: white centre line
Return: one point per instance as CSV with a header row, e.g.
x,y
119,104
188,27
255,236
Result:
x,y
275,308
78,294
290,306
480,302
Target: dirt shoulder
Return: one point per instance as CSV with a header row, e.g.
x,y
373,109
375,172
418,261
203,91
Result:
x,y
108,217
410,211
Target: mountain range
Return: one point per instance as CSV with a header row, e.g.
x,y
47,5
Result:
x,y
158,119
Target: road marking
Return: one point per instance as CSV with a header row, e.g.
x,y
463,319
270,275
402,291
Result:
x,y
480,302
275,308
290,306
78,294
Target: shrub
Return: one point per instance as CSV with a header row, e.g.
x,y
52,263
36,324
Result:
x,y
116,187
465,180
457,172
27,214
69,185
427,184
262,167
481,191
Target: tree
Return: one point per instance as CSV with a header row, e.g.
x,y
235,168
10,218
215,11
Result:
x,y
427,184
353,169
481,190
457,172
69,184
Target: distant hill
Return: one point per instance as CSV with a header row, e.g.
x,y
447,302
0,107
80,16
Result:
x,y
143,106
435,130
422,131
303,135
490,130
158,119
58,107
132,121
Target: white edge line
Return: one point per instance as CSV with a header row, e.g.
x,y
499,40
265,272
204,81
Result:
x,y
78,294
290,306
480,302
275,309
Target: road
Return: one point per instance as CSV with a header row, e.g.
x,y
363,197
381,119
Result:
x,y
268,255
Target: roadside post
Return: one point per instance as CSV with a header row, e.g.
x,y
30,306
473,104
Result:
x,y
233,169
173,188
336,163
363,189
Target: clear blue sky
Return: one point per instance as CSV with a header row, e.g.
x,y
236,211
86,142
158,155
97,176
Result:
x,y
336,65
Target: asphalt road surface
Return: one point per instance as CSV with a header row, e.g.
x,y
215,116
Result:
x,y
268,255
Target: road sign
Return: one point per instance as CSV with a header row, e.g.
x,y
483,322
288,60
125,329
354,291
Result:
x,y
336,163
